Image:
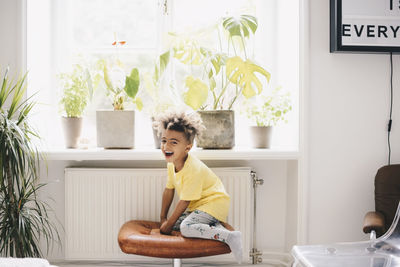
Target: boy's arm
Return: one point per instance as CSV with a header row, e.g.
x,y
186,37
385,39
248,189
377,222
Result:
x,y
166,226
167,198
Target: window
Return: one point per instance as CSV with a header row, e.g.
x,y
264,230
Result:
x,y
61,33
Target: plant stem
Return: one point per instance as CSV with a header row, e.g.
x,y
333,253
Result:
x,y
220,47
236,96
204,64
219,39
10,184
220,95
244,47
233,46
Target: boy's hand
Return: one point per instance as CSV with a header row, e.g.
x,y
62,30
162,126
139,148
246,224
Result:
x,y
162,220
165,228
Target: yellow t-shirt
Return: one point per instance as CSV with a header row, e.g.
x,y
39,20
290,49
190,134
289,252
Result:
x,y
197,183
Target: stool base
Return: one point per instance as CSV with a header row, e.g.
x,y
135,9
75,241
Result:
x,y
177,263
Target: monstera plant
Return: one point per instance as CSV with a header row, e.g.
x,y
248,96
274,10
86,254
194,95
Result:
x,y
227,74
220,77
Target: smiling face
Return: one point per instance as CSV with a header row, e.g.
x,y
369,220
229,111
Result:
x,y
175,147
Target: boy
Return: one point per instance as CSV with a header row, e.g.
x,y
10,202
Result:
x,y
200,191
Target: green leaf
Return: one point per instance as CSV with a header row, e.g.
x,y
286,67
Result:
x,y
242,73
132,83
164,60
218,61
160,66
269,110
77,90
240,26
89,83
5,88
107,79
197,94
139,103
251,22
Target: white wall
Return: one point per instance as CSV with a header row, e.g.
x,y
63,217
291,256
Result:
x,y
11,35
348,107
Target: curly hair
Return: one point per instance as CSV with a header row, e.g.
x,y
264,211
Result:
x,y
190,124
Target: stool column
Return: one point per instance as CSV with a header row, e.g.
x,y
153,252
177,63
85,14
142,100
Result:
x,y
177,262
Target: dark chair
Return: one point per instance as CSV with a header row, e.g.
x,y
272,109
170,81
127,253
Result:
x,y
383,222
387,197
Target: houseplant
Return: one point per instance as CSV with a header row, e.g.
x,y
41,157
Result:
x,y
24,219
77,91
266,112
223,76
116,128
157,100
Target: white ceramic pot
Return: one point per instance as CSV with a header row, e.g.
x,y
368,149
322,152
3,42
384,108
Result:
x,y
72,127
115,128
261,136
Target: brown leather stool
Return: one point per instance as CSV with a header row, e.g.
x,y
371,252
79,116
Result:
x,y
144,238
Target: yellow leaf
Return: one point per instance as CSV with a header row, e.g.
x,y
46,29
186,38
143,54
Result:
x,y
188,53
149,84
139,103
197,93
242,73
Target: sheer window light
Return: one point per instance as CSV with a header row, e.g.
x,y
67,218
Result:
x,y
64,32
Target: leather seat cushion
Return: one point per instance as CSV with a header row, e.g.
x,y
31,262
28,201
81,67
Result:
x,y
144,238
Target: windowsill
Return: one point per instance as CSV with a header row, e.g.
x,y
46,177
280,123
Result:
x,y
237,153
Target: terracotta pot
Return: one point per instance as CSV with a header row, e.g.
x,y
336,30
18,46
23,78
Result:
x,y
115,128
220,129
261,136
72,127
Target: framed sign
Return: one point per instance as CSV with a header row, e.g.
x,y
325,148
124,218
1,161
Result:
x,y
365,25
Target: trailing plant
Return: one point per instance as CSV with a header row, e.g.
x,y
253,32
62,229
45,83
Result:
x,y
120,87
77,91
225,74
24,219
269,110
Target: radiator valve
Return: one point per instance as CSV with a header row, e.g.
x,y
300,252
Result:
x,y
256,180
255,255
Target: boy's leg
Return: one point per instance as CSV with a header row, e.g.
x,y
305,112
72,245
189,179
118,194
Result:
x,y
200,224
179,221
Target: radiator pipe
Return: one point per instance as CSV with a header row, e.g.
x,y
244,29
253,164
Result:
x,y
254,253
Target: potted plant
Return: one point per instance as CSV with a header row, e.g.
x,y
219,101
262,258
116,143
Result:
x,y
116,128
266,112
77,91
157,99
24,219
224,76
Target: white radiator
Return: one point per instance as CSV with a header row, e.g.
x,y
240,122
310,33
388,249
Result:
x,y
98,201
